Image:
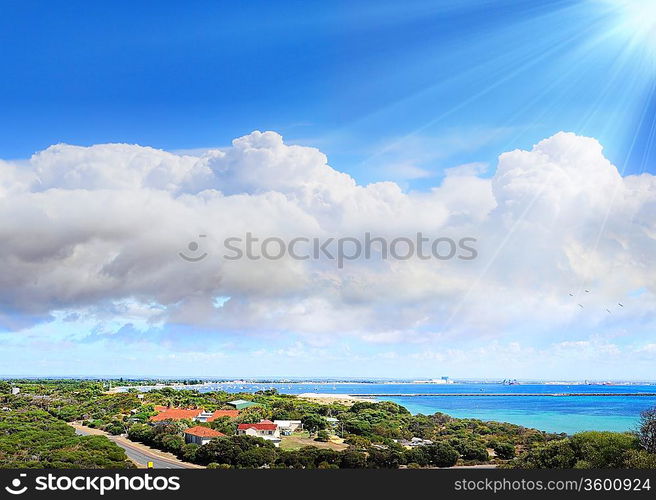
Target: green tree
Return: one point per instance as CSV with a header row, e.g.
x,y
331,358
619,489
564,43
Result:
x,y
32,438
313,423
384,458
352,459
505,451
358,442
253,415
225,425
473,450
602,450
419,455
639,459
141,433
441,454
115,428
172,443
553,455
322,436
188,452
228,450
647,430
256,457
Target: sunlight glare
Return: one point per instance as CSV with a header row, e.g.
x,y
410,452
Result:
x,y
639,18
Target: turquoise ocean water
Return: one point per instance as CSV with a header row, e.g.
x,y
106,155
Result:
x,y
544,411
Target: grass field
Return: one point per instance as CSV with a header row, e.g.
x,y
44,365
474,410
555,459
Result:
x,y
300,439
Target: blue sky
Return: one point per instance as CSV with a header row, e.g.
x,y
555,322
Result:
x,y
407,92
353,78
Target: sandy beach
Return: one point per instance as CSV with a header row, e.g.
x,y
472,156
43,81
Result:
x,y
344,399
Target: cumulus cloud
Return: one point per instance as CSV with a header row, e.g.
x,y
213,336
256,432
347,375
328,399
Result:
x,y
96,232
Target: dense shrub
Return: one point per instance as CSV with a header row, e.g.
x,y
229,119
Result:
x,y
322,436
371,430
647,430
504,451
470,449
639,459
585,450
188,452
442,455
35,439
238,451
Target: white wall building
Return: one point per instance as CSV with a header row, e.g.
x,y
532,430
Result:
x,y
201,435
265,429
287,427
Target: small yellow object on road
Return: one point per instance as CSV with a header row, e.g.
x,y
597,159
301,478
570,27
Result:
x,y
150,465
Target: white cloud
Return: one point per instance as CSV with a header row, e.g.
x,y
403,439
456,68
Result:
x,y
97,231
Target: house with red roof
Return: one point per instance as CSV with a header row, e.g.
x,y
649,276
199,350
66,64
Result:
x,y
201,435
212,416
264,429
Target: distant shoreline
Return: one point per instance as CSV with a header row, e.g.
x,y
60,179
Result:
x,y
163,380
345,399
249,386
178,383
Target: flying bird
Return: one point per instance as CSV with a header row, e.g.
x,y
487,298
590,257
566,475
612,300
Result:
x,y
608,311
571,295
620,304
587,291
580,306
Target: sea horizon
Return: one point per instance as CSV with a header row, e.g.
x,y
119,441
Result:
x,y
328,379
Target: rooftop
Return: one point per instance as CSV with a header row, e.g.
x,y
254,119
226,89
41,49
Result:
x,y
201,431
175,414
223,413
265,425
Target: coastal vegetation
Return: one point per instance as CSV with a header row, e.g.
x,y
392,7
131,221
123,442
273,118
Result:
x,y
597,450
362,434
589,450
32,438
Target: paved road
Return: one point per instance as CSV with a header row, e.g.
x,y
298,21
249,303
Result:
x,y
142,458
135,452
